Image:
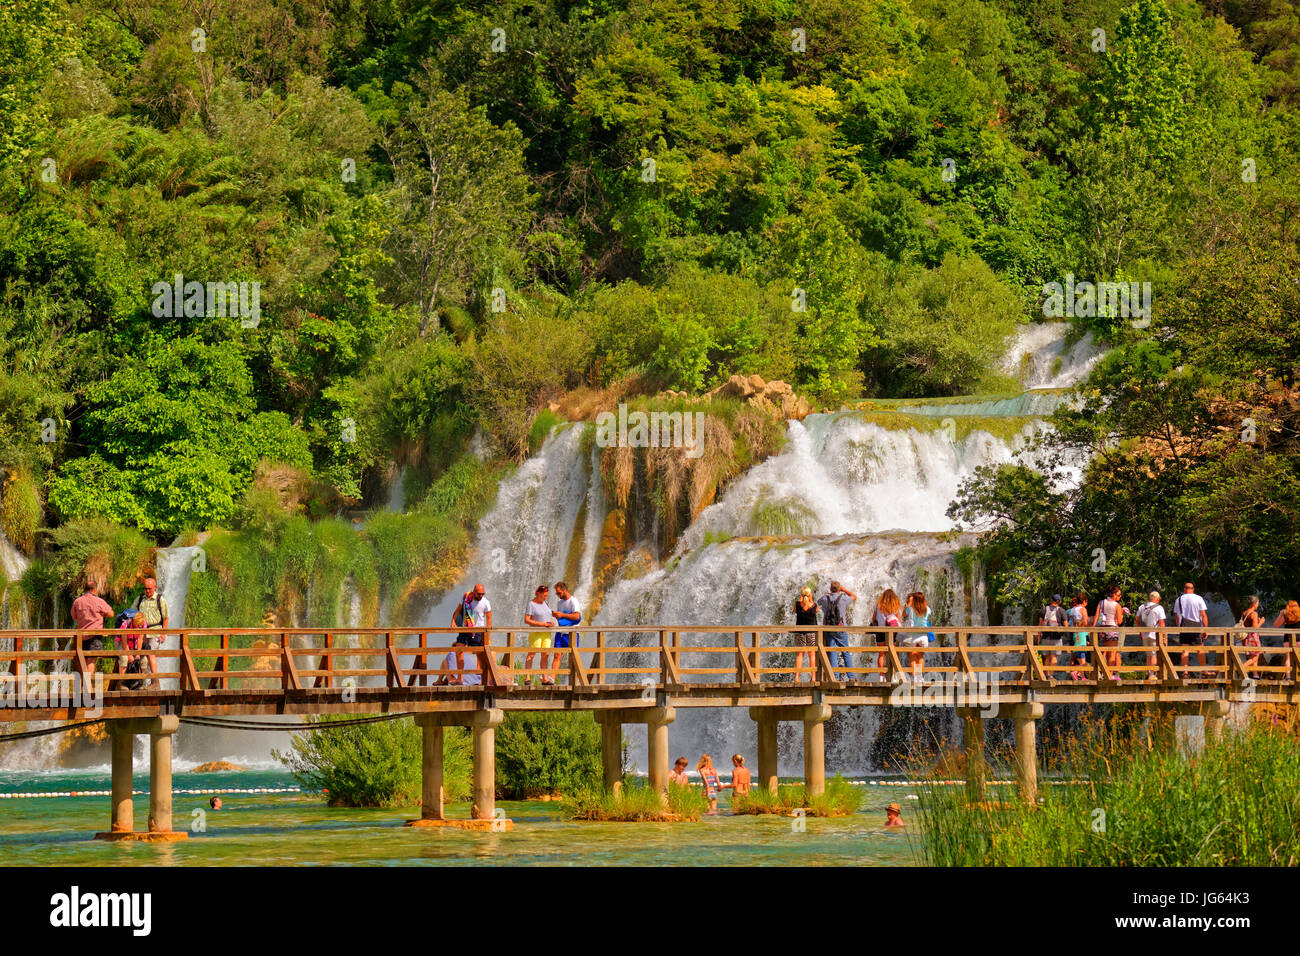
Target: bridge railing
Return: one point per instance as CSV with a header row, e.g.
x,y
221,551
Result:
x,y
285,660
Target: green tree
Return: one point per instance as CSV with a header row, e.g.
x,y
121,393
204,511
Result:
x,y
461,193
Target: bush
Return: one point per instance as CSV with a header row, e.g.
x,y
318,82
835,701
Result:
x,y
545,753
374,765
99,550
20,509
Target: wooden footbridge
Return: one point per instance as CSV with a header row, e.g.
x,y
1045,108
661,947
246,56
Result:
x,y
623,675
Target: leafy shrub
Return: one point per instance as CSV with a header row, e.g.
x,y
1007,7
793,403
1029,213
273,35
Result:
x,y
99,550
545,753
839,799
374,765
20,509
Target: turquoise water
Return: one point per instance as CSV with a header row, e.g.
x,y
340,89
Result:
x,y
274,829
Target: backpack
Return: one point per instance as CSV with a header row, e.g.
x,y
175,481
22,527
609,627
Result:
x,y
133,666
831,613
1055,615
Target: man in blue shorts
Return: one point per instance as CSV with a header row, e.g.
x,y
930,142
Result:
x,y
568,613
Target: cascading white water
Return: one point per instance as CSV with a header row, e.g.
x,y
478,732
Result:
x,y
843,474
1038,356
754,581
847,498
525,540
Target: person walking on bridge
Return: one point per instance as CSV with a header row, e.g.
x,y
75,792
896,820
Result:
x,y
1289,619
1151,614
88,613
568,613
805,614
1053,616
886,615
153,607
1190,612
474,610
835,613
539,615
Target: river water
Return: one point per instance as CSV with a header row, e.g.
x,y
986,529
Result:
x,y
283,829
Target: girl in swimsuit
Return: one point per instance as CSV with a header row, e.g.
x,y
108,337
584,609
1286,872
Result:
x,y
711,785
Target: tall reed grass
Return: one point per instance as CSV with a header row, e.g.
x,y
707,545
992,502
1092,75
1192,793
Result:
x,y
1124,800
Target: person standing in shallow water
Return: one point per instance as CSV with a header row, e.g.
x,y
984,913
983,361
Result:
x,y
712,787
894,816
740,777
678,774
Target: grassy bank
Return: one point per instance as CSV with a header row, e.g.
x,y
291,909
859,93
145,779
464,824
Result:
x,y
1235,804
635,802
840,799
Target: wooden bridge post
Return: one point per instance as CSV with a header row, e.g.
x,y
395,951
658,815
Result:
x,y
814,748
483,729
766,719
973,742
1025,718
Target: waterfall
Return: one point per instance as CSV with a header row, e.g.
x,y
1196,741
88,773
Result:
x,y
1038,356
843,474
528,537
13,609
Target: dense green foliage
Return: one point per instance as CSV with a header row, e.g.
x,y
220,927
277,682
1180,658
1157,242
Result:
x,y
457,212
374,765
1235,804
546,753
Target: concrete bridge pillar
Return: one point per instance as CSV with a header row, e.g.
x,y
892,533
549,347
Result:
x,y
657,738
814,748
431,770
123,807
482,726
611,754
972,719
656,720
483,730
765,717
1026,717
1215,713
122,822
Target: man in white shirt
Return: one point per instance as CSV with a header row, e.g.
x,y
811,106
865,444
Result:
x,y
474,610
568,613
1151,614
1190,611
